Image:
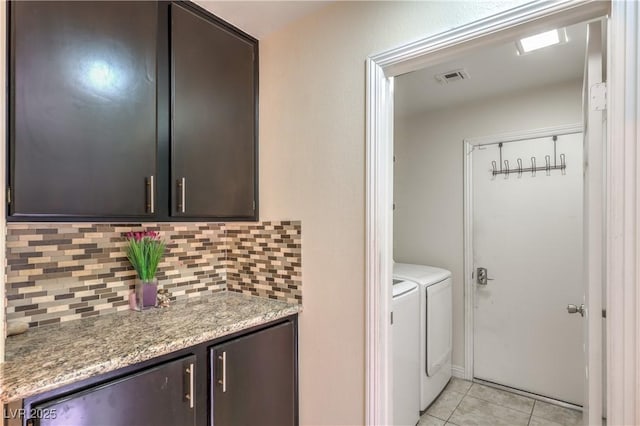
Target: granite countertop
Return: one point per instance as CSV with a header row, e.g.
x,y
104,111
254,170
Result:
x,y
48,357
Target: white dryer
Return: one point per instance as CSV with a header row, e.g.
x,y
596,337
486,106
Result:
x,y
436,317
405,332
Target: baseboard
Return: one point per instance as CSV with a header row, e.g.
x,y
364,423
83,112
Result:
x,y
457,371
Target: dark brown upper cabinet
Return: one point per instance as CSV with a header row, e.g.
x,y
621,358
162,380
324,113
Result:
x,y
213,110
135,110
83,112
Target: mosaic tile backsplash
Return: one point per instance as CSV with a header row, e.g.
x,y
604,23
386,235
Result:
x,y
265,260
61,272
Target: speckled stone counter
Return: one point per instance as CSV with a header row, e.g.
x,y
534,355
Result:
x,y
48,357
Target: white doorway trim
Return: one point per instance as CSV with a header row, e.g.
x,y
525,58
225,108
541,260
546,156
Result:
x,y
529,18
469,282
622,216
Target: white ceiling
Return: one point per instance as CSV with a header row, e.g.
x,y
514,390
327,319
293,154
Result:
x,y
260,18
493,71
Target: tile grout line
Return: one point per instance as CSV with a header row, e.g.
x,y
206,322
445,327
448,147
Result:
x,y
461,399
499,405
505,406
531,415
532,410
535,401
467,393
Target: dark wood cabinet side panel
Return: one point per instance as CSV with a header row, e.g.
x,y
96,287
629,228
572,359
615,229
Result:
x,y
83,79
260,379
213,107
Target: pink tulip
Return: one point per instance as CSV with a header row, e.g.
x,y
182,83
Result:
x,y
140,235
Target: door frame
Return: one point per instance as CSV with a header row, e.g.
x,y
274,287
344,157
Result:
x,y
469,282
622,207
4,130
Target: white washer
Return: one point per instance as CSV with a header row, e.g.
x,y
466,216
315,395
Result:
x,y
436,315
406,360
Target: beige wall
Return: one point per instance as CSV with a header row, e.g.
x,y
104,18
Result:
x,y
428,175
312,168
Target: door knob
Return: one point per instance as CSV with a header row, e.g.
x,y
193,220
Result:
x,y
481,276
572,309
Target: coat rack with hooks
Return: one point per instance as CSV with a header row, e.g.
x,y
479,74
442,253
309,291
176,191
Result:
x,y
497,169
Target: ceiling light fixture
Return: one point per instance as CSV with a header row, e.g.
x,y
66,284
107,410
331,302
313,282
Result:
x,y
539,41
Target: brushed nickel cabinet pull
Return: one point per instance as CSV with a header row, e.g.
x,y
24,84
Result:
x,y
182,199
191,372
223,381
151,197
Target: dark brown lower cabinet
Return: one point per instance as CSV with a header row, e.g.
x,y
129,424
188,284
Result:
x,y
247,379
253,379
157,396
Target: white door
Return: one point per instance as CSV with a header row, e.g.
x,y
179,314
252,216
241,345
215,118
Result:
x,y
528,234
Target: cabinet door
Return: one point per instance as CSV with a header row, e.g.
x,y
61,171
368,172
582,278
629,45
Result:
x,y
83,116
154,397
253,379
213,118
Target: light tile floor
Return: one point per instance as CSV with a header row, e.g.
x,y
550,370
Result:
x,y
463,403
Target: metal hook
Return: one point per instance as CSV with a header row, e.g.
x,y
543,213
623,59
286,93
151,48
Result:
x,y
506,167
519,160
533,166
563,165
547,160
494,166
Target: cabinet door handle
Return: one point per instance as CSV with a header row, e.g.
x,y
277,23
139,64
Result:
x,y
183,195
223,381
191,373
150,195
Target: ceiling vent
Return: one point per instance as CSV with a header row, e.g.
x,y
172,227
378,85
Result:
x,y
452,76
